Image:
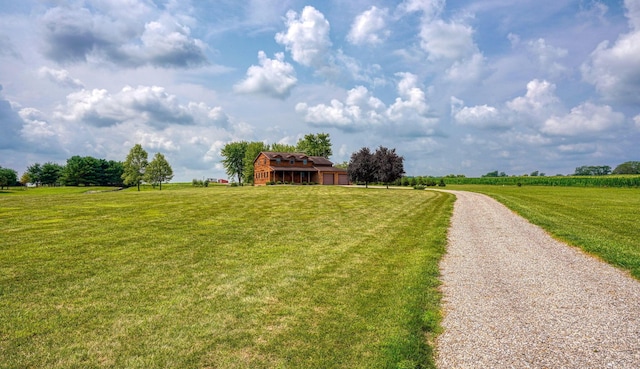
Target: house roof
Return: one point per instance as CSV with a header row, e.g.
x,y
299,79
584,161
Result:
x,y
330,169
298,156
319,160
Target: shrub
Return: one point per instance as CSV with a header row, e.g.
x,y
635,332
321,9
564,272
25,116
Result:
x,y
419,187
442,184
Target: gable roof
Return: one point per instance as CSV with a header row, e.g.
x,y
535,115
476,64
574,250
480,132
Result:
x,y
319,160
298,156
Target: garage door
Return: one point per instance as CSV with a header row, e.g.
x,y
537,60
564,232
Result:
x,y
343,179
327,179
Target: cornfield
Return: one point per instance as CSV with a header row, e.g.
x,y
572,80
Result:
x,y
568,181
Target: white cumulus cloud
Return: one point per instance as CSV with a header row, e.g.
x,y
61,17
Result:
x,y
448,40
273,77
150,105
112,32
369,27
539,99
307,37
359,110
60,77
613,68
449,44
548,55
478,116
584,119
167,43
408,115
429,8
411,106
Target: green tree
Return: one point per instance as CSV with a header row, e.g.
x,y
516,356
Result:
x,y
343,165
389,165
629,167
134,167
158,171
586,170
233,162
34,171
8,177
278,147
113,173
81,171
26,178
362,167
51,173
315,145
252,151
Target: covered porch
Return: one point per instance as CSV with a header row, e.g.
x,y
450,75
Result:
x,y
293,175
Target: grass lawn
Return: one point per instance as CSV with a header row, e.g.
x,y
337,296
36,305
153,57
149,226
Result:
x,y
220,277
601,221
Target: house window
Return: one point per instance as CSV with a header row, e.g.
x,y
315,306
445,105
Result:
x,y
304,161
292,161
277,160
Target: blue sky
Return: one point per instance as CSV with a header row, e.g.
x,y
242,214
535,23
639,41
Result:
x,y
462,87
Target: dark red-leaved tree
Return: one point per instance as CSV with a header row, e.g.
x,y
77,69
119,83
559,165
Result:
x,y
361,167
389,165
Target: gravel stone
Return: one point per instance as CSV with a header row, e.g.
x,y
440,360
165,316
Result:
x,y
513,297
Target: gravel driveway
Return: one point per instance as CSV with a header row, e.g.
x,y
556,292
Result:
x,y
516,298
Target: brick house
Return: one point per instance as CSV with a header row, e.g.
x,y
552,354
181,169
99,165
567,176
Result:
x,y
296,168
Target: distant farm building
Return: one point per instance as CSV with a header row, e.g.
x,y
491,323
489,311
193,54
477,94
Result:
x,y
297,168
223,181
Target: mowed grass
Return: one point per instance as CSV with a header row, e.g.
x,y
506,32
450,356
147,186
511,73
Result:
x,y
219,277
601,221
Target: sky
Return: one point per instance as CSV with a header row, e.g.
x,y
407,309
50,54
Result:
x,y
456,87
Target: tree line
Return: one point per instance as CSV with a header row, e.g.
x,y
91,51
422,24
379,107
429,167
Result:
x,y
238,156
629,167
90,171
79,170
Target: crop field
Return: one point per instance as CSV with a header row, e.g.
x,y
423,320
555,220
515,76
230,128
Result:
x,y
601,221
562,181
220,277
